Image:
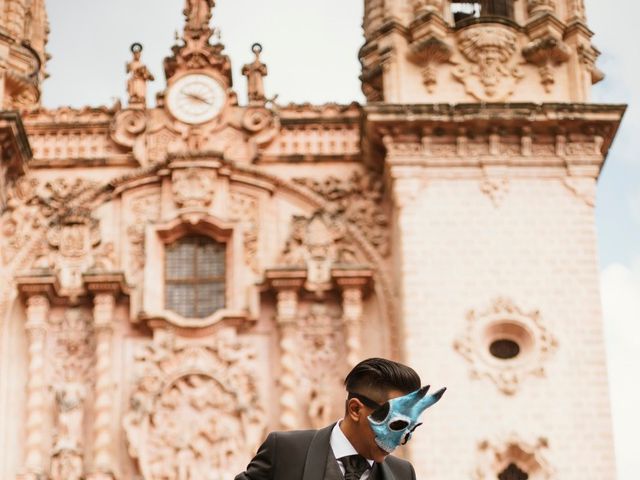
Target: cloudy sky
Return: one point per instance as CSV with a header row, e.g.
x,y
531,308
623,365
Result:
x,y
311,50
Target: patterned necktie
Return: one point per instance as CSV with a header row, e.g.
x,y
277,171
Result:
x,y
354,466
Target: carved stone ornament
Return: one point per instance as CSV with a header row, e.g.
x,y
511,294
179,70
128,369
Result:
x,y
71,358
356,200
498,458
536,7
495,188
194,411
322,352
144,208
428,53
193,187
493,76
317,243
547,53
506,345
245,208
420,6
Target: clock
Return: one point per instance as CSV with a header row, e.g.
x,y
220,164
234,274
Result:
x,y
196,98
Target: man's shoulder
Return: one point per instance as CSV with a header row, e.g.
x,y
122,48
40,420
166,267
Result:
x,y
296,435
398,465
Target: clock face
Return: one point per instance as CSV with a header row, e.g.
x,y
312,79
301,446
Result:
x,y
196,98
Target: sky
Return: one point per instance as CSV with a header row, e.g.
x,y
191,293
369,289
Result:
x,y
311,48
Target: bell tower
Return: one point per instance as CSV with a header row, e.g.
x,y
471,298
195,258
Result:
x,y
478,114
24,29
487,51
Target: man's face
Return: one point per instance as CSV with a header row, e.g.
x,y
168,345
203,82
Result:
x,y
365,438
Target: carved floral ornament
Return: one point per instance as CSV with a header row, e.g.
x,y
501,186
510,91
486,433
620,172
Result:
x,y
194,410
512,457
506,345
193,187
492,75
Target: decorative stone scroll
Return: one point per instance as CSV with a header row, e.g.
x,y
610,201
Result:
x,y
493,75
506,345
194,411
511,458
357,201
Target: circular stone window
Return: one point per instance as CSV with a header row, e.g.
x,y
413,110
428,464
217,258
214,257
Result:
x,y
508,341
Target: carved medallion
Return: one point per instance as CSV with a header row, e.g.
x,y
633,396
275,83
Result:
x,y
194,411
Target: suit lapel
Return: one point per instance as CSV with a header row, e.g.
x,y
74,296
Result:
x,y
316,461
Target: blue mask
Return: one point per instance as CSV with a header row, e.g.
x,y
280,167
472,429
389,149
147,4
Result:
x,y
393,422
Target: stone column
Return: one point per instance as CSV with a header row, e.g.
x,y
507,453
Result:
x,y
286,317
352,318
35,444
103,309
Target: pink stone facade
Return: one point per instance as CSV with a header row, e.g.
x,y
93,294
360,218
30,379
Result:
x,y
427,226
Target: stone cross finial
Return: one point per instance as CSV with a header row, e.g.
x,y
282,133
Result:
x,y
139,76
255,73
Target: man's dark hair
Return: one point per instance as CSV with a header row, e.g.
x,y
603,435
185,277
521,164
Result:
x,y
381,375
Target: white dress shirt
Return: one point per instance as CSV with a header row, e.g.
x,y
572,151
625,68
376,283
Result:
x,y
342,447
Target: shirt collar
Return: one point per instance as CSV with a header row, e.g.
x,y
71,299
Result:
x,y
341,445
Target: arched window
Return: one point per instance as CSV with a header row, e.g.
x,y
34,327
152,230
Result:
x,y
465,10
195,276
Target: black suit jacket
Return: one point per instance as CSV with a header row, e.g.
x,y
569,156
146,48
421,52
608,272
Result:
x,y
302,455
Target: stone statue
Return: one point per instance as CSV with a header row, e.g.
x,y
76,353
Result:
x,y
198,13
137,82
255,72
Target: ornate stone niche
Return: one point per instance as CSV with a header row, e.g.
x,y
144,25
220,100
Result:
x,y
194,410
506,344
159,236
512,458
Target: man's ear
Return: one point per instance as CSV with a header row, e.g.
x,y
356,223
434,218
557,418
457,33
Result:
x,y
355,409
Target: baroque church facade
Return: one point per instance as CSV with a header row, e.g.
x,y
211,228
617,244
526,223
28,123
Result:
x,y
177,280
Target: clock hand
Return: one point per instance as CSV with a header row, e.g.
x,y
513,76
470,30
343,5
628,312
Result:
x,y
198,98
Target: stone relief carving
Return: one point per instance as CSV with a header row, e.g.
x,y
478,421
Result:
x,y
493,76
547,53
246,209
420,6
317,243
144,208
536,7
531,344
428,53
356,200
193,187
322,355
512,454
495,188
71,355
194,410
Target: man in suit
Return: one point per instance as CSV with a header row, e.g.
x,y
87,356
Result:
x,y
384,402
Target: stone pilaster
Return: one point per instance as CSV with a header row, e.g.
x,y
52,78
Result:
x,y
35,443
287,315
